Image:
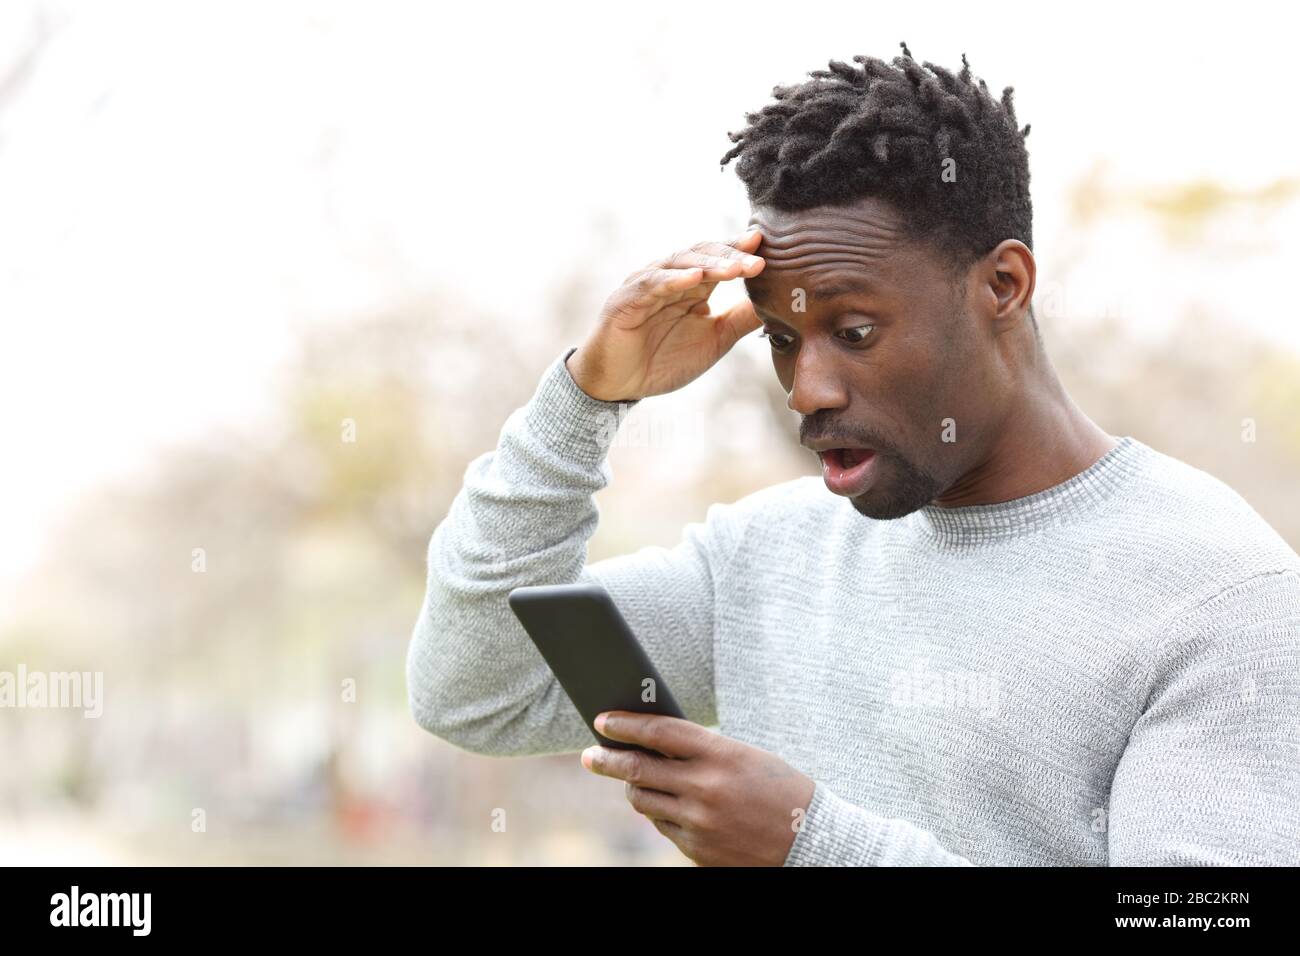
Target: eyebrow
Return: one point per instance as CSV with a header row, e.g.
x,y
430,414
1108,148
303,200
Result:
x,y
833,290
841,287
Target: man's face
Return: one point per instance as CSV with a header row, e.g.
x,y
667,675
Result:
x,y
878,348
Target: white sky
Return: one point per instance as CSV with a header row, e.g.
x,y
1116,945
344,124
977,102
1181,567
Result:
x,y
183,186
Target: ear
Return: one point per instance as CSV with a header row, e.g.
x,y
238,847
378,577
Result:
x,y
1010,273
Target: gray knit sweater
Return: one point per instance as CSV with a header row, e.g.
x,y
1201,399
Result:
x,y
1105,672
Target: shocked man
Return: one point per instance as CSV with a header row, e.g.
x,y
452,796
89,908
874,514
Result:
x,y
990,634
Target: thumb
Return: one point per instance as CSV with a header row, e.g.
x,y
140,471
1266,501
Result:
x,y
740,319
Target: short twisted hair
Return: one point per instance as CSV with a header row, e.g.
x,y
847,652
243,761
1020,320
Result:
x,y
885,130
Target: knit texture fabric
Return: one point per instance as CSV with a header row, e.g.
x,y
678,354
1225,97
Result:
x,y
1106,672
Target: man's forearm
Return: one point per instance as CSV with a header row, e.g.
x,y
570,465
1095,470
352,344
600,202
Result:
x,y
524,516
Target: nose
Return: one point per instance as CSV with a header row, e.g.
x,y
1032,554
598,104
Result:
x,y
815,384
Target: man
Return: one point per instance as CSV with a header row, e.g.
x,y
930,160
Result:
x,y
1019,641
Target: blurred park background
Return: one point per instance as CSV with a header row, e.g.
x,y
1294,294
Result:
x,y
227,230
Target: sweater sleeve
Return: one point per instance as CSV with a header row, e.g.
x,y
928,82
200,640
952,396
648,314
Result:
x,y
523,517
835,832
1211,772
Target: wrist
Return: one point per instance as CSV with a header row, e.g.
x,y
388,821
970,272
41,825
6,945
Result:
x,y
568,421
582,375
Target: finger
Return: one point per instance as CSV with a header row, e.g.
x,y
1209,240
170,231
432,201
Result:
x,y
633,766
669,829
667,279
737,321
670,736
680,838
655,804
722,268
651,287
716,268
721,260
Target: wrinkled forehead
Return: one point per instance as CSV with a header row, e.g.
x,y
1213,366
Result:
x,y
861,219
830,245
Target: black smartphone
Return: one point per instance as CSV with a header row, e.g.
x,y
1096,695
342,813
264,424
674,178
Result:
x,y
593,653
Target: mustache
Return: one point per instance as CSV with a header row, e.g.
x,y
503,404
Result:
x,y
810,430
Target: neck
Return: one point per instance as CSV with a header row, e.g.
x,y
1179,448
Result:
x,y
1045,440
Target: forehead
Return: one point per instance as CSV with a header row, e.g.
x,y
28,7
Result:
x,y
832,250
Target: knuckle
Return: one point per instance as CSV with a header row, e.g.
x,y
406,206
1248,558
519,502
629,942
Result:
x,y
706,788
635,796
628,300
647,283
639,302
618,305
699,817
635,767
708,821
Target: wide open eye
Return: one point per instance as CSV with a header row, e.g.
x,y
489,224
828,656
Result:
x,y
854,339
775,340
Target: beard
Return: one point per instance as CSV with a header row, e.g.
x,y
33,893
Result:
x,y
900,489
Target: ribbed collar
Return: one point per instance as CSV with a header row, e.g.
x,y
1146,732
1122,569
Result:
x,y
975,524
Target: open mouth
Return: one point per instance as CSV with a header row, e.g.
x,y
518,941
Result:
x,y
847,457
848,471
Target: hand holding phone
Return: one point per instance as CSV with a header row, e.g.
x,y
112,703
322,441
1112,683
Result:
x,y
593,653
